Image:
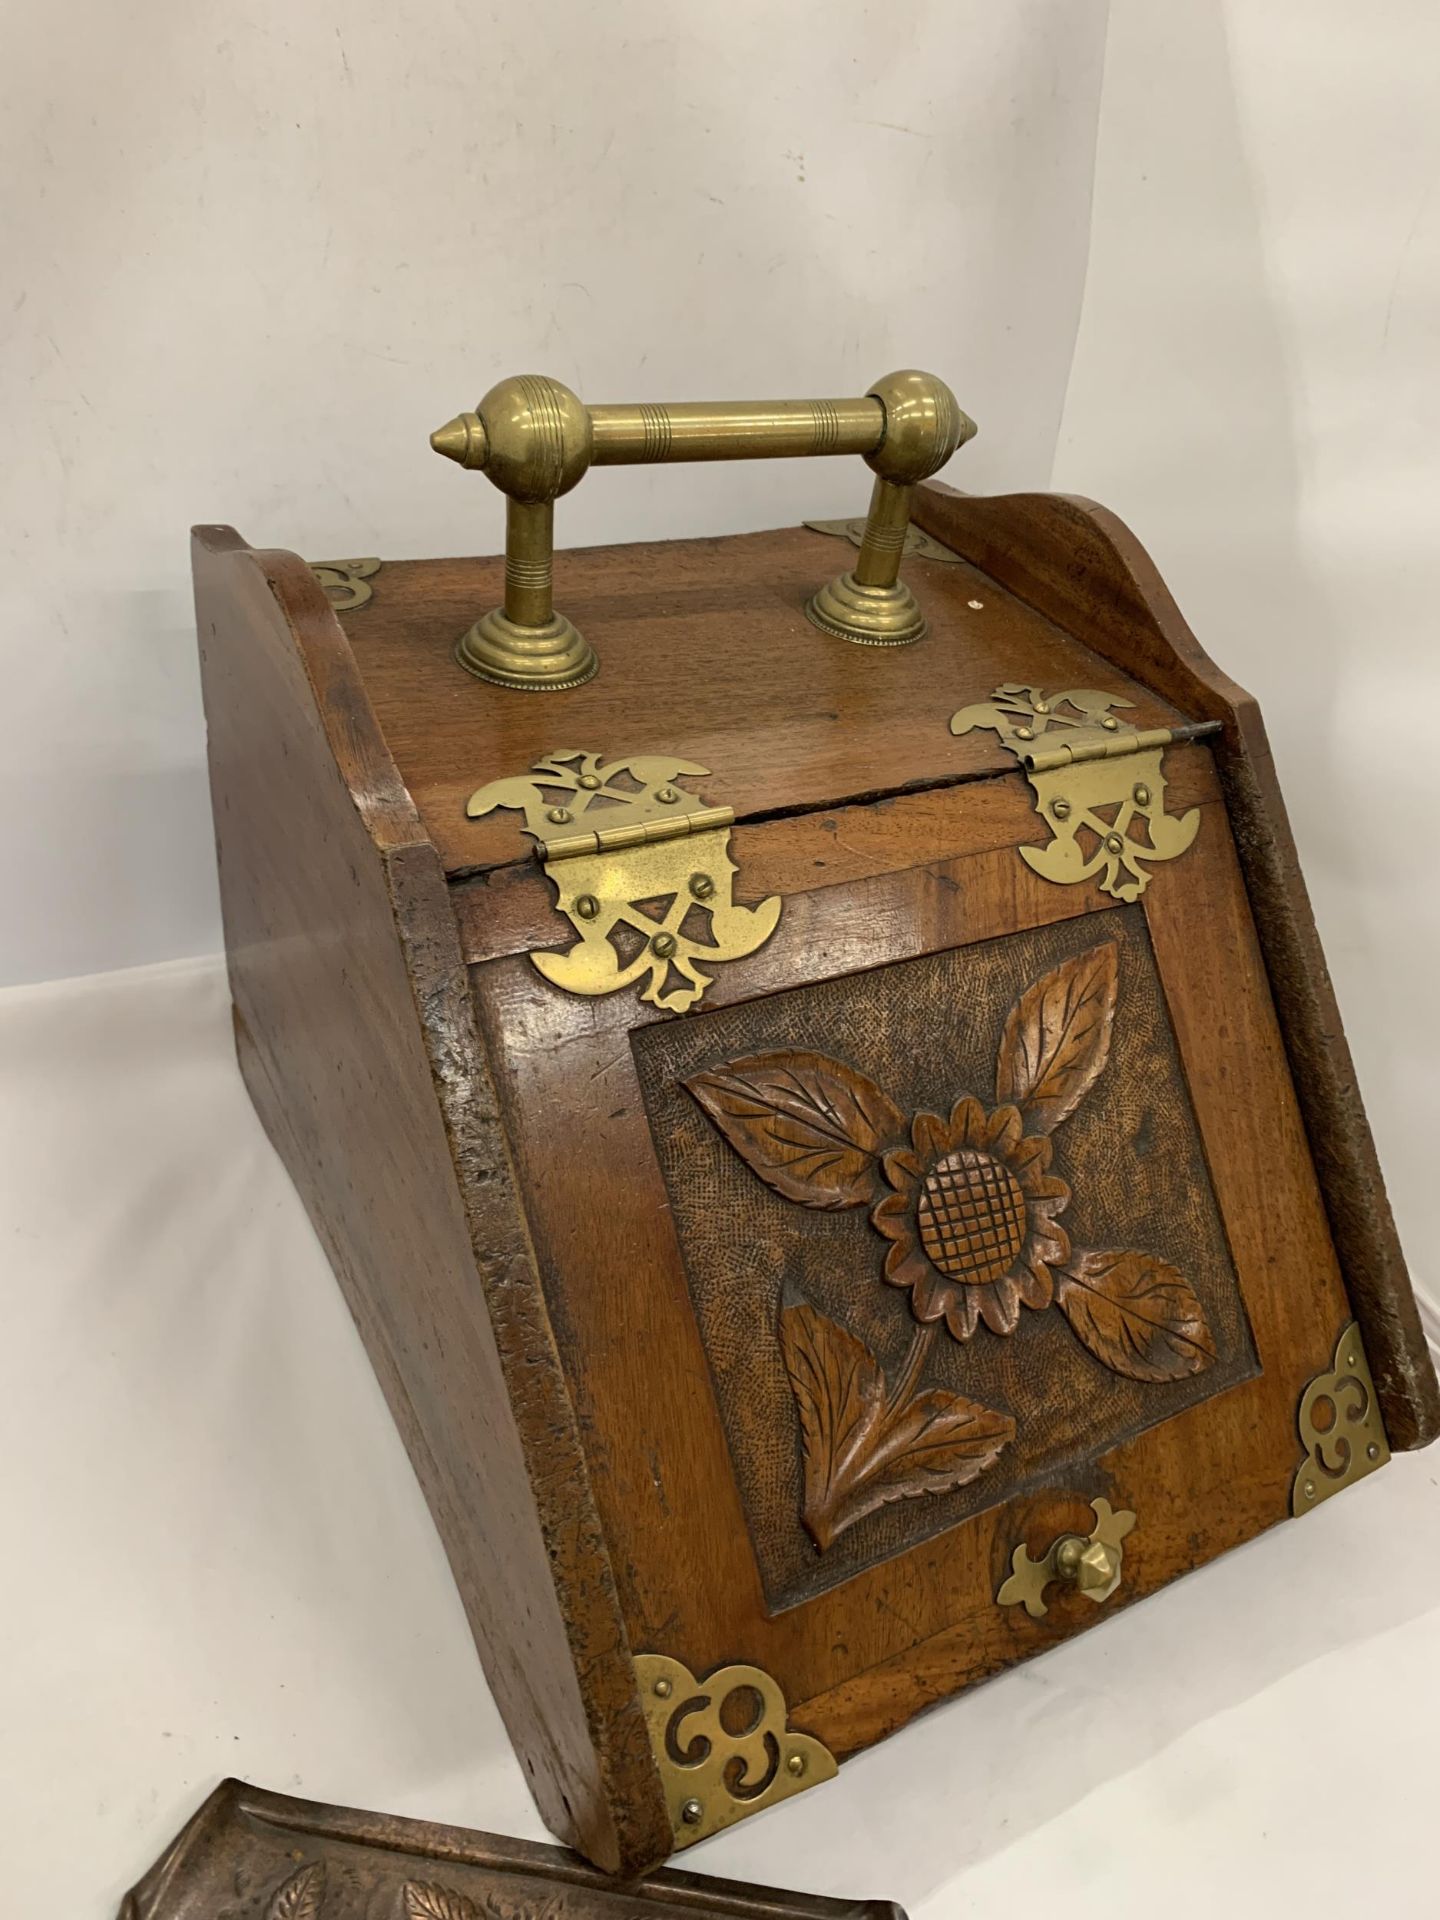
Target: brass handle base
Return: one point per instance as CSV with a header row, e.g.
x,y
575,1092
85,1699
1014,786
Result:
x,y
551,658
870,616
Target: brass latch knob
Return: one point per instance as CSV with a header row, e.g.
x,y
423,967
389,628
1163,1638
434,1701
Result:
x,y
536,440
1092,1566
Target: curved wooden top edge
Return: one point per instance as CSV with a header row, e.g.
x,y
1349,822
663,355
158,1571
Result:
x,y
1108,578
344,708
1081,566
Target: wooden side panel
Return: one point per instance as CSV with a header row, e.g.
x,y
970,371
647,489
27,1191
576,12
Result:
x,y
1080,567
358,1044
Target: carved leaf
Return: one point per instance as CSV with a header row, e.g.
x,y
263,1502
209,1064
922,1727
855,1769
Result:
x,y
425,1902
301,1895
865,1447
811,1127
1136,1314
1057,1039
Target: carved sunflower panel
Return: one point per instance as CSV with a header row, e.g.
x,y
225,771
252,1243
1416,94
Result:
x,y
947,1227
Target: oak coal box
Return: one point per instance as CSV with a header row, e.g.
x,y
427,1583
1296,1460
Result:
x,y
836,1151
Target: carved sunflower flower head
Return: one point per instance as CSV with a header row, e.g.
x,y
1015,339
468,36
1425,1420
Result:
x,y
971,1217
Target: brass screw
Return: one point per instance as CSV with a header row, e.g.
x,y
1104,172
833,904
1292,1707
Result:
x,y
1110,723
1372,1452
587,906
560,816
1142,795
663,944
590,781
702,886
1113,843
1060,809
795,1764
667,795
1309,1489
692,1813
664,1689
1024,733
1042,706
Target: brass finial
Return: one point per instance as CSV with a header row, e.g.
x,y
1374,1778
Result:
x,y
462,439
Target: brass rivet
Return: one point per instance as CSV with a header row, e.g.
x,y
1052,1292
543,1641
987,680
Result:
x,y
1142,795
666,795
1113,843
1309,1489
795,1764
589,781
1372,1451
664,1689
1042,706
1110,722
663,944
587,906
976,605
701,885
560,816
692,1813
1060,809
1024,733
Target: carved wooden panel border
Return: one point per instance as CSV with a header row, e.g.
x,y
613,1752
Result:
x,y
988,1132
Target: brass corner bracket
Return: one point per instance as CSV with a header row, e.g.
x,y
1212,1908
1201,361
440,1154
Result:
x,y
1098,784
346,581
1340,1427
712,1774
1092,1566
536,440
641,869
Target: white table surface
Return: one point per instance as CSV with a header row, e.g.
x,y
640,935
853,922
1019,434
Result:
x,y
216,1561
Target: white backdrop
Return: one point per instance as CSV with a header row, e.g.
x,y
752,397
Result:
x,y
253,253
1256,389
249,257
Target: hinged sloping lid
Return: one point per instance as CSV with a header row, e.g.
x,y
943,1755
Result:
x,y
707,655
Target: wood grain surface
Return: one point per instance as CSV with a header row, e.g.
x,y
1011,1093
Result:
x,y
858,1659
705,651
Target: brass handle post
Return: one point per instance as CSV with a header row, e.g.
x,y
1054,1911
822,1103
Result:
x,y
536,440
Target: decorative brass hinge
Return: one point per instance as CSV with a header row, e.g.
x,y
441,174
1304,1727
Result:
x,y
642,870
344,581
1092,1566
712,1774
1340,1427
1095,781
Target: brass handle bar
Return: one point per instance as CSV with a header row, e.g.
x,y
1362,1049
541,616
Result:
x,y
748,430
536,440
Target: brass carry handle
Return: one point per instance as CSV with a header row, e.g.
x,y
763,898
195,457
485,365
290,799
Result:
x,y
536,440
